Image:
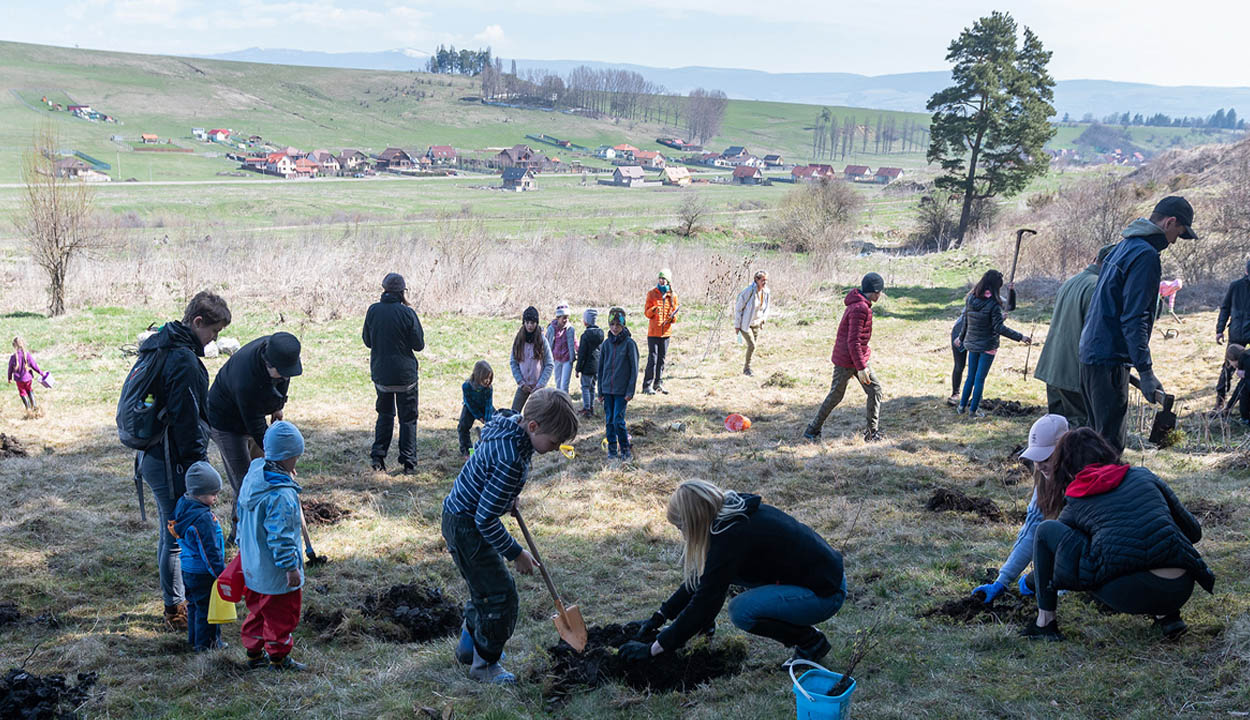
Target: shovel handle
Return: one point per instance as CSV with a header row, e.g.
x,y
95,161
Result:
x,y
542,567
1160,398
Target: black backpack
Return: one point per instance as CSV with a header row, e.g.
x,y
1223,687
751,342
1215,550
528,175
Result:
x,y
141,416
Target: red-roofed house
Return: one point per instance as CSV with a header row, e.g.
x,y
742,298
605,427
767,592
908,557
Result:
x,y
649,159
855,172
518,156
625,150
279,164
441,155
148,138
305,167
805,173
747,175
886,175
219,135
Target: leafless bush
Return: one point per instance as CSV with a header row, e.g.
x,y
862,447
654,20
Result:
x,y
691,211
817,218
1080,220
937,220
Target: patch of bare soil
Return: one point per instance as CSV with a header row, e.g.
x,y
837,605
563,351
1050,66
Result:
x,y
948,499
51,697
11,447
1009,408
9,614
421,611
320,512
1008,608
1210,512
642,429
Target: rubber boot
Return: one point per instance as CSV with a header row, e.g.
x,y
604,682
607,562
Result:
x,y
492,673
465,647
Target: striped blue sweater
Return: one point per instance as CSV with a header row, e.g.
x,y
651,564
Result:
x,y
492,479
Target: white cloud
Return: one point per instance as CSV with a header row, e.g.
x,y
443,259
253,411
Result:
x,y
491,35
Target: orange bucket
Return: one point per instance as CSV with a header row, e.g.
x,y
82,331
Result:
x,y
737,423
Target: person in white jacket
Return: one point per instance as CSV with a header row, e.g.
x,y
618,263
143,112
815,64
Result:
x,y
750,312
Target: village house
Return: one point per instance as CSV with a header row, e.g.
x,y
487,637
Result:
x,y
773,161
306,167
326,160
804,173
148,138
199,134
279,164
675,175
650,159
517,156
605,152
76,169
441,155
734,151
712,159
887,175
628,176
219,135
748,159
395,160
855,172
518,179
351,160
625,151
747,175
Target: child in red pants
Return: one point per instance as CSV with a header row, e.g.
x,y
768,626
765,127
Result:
x,y
271,550
24,369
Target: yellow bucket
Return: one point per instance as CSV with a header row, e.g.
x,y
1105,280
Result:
x,y
220,611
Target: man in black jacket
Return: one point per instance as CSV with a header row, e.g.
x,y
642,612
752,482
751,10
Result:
x,y
1235,315
392,332
1121,318
250,386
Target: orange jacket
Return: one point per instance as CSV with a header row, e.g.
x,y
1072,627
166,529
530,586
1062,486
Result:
x,y
659,309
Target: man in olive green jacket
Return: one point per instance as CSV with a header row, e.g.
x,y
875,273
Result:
x,y
1059,365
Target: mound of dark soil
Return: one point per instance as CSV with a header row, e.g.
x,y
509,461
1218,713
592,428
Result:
x,y
9,614
319,512
1009,408
422,612
971,610
642,429
781,380
51,697
11,447
1210,512
679,671
947,499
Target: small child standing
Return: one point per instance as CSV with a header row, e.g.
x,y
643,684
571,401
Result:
x,y
618,377
23,368
272,550
563,341
530,360
486,488
478,403
588,359
203,551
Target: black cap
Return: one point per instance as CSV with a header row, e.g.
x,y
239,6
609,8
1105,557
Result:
x,y
1179,208
872,283
393,282
531,313
282,354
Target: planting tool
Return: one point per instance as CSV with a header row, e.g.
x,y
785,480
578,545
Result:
x,y
313,557
568,619
1028,351
1011,289
569,451
1165,420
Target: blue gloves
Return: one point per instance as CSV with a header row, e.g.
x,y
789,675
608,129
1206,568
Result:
x,y
634,651
990,591
1025,590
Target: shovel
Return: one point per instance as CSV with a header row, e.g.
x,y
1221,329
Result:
x,y
1165,419
1011,292
568,619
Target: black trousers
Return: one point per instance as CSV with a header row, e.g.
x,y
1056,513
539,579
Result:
x,y
463,427
490,613
1104,388
1069,404
957,375
657,350
389,403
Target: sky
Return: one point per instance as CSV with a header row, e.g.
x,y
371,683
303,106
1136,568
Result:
x,y
1162,42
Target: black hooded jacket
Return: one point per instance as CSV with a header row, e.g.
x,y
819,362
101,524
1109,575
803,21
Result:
x,y
1235,312
183,392
243,393
392,332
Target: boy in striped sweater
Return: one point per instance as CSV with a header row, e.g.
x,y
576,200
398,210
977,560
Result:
x,y
486,488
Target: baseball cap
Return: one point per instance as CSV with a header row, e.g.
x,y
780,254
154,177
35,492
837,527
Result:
x,y
282,354
1044,436
1179,208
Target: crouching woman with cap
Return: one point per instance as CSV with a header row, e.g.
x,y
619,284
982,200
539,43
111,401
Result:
x,y
251,387
1121,534
392,332
794,578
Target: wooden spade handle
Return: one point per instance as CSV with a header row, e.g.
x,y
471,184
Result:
x,y
542,567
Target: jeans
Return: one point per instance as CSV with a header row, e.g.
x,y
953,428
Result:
x,y
978,367
200,634
957,374
406,404
749,336
490,613
168,552
785,613
463,428
837,389
588,392
237,458
657,350
614,421
1104,388
563,371
1068,404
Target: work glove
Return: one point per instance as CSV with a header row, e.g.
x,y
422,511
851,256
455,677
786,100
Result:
x,y
1219,338
864,378
634,651
638,628
1150,385
1025,590
991,591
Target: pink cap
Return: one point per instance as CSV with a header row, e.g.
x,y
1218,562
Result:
x,y
1044,436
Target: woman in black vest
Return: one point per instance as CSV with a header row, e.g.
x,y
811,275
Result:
x,y
1121,534
392,332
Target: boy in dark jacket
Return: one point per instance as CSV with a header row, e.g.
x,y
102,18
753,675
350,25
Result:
x,y
618,377
392,332
203,551
850,358
588,359
486,488
1235,315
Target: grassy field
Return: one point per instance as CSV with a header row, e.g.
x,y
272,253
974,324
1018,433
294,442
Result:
x,y
72,545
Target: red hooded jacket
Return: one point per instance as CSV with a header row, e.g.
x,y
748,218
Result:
x,y
851,348
1096,480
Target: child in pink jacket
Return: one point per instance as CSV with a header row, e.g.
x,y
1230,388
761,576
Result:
x,y
23,368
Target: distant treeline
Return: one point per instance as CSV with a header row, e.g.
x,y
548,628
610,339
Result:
x,y
447,61
1220,119
834,137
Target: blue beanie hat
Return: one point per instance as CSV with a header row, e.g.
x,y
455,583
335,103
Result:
x,y
283,441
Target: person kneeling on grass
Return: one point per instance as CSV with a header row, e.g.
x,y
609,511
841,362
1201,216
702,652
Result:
x,y
1122,534
1043,437
486,488
271,549
795,579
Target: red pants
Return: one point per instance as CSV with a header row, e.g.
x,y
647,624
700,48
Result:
x,y
24,388
270,621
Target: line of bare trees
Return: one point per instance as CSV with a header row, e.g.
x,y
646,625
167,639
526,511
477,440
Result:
x,y
833,136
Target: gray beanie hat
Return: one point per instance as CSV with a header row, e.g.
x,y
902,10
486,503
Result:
x,y
283,441
202,479
590,316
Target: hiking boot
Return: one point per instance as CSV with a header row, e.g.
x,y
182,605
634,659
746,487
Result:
x,y
464,648
647,391
492,673
661,390
811,435
872,436
813,651
626,454
409,469
1049,632
286,664
256,662
1171,625
378,465
612,454
747,371
953,400
176,617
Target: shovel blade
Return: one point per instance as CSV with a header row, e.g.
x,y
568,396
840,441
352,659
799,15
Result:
x,y
1164,424
571,627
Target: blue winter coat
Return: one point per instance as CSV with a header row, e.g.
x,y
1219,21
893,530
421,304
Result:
x,y
269,529
199,535
479,401
1121,315
618,364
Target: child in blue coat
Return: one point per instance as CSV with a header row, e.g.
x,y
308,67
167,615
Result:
x,y
478,403
618,377
203,551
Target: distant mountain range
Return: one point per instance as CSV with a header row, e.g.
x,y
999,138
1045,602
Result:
x,y
906,92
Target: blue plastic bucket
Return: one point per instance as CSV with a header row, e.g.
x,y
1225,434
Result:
x,y
811,694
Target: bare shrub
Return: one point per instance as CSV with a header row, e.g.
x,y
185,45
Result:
x,y
817,218
1080,220
690,213
937,220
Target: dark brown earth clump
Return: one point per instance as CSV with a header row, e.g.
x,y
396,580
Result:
x,y
318,512
9,614
11,447
948,499
679,671
421,611
972,610
51,697
1009,408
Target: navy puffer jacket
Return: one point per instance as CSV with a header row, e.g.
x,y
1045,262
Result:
x,y
983,323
